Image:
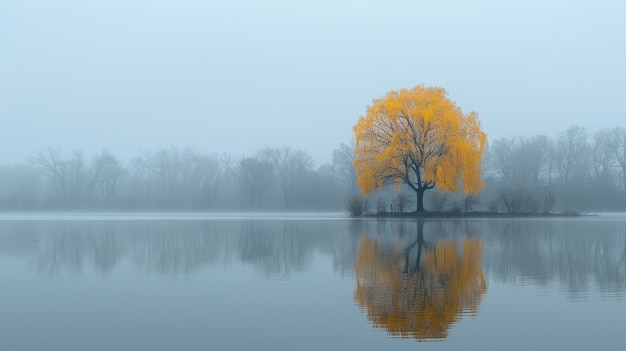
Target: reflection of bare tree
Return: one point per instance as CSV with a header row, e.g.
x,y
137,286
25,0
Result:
x,y
153,247
275,248
106,249
418,290
178,249
66,251
344,247
577,256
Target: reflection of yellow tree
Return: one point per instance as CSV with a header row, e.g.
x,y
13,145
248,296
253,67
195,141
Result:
x,y
424,299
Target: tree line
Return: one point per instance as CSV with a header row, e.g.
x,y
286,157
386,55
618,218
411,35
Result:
x,y
577,169
174,178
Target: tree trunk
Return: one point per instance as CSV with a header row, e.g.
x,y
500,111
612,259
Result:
x,y
420,243
420,200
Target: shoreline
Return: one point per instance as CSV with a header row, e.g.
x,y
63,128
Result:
x,y
450,215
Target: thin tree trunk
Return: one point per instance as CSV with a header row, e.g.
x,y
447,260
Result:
x,y
420,200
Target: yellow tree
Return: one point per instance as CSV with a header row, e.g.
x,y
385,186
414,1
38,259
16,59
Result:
x,y
418,137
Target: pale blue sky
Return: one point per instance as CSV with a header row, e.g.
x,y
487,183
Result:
x,y
131,75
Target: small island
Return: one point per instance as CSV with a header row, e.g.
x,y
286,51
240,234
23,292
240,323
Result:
x,y
415,140
473,214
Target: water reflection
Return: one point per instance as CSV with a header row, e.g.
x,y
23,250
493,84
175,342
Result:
x,y
576,256
419,288
413,281
272,248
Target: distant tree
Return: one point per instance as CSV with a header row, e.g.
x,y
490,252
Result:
x,y
108,174
381,204
418,137
68,171
602,158
520,160
174,177
402,202
199,178
438,201
357,206
291,167
573,154
523,167
618,146
78,173
52,164
227,179
321,190
343,167
254,175
144,172
469,201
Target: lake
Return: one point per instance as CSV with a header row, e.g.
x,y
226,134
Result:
x,y
301,281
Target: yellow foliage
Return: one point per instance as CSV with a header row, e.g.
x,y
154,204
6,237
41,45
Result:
x,y
422,302
421,138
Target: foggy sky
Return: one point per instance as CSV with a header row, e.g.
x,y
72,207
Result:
x,y
132,75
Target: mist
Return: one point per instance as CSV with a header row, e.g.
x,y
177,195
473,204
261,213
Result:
x,y
236,76
576,170
234,175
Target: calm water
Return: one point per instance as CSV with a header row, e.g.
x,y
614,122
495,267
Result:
x,y
310,282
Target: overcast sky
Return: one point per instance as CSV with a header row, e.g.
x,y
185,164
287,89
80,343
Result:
x,y
233,76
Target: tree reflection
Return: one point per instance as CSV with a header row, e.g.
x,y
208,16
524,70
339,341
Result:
x,y
419,290
275,249
577,256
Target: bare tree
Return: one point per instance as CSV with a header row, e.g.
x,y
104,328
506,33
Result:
x,y
210,172
602,167
196,180
469,201
255,176
438,201
226,184
357,206
68,171
573,153
343,167
291,166
144,173
618,145
78,177
176,177
402,202
52,164
108,174
524,170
